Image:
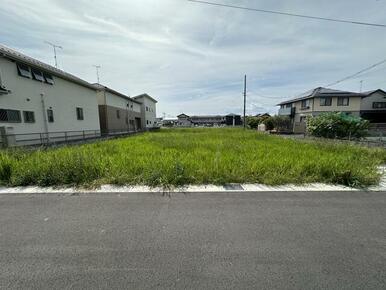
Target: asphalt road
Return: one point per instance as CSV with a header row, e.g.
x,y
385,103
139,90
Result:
x,y
195,241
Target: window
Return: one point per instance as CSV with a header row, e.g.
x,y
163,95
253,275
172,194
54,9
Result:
x,y
282,107
379,105
50,116
343,101
118,114
11,116
147,122
305,104
23,70
37,75
29,117
79,114
48,78
288,106
325,101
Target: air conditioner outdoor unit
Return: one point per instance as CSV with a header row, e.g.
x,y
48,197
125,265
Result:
x,y
8,139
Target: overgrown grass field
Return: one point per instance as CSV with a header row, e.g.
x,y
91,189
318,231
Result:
x,y
174,157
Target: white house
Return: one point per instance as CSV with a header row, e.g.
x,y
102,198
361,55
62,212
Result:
x,y
38,98
149,110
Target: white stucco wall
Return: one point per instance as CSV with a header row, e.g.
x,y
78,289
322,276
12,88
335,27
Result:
x,y
117,101
354,105
151,114
63,97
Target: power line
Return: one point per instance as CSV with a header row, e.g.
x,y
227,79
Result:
x,y
290,14
356,74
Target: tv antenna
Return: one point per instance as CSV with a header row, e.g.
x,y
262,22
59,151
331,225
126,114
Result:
x,y
54,46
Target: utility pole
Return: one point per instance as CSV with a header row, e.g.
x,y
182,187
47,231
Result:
x,y
54,46
97,67
245,100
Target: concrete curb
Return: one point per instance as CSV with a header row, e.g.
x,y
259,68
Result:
x,y
315,187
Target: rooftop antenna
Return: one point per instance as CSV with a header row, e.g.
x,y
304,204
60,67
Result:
x,y
97,67
54,46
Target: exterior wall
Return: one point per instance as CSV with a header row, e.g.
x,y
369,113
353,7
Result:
x,y
367,103
110,104
63,98
354,105
314,109
184,122
149,116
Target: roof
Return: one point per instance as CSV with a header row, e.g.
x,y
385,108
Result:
x,y
145,96
263,114
100,87
322,92
19,57
182,115
369,93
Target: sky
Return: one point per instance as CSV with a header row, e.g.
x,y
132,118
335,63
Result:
x,y
192,58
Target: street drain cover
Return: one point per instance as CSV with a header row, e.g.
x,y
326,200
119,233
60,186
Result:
x,y
233,187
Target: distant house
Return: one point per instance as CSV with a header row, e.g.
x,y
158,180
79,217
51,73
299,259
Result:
x,y
265,115
369,105
209,120
184,121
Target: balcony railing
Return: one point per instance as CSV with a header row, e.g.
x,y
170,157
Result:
x,y
286,111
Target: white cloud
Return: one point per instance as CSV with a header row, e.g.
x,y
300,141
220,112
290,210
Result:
x,y
193,57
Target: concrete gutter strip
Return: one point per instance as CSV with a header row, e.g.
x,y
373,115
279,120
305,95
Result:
x,y
197,188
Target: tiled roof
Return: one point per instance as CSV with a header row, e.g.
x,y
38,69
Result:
x,y
102,87
145,96
322,92
19,57
368,93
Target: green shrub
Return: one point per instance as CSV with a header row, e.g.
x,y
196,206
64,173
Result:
x,y
253,122
269,123
337,125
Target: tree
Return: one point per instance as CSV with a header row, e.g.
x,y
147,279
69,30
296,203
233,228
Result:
x,y
269,124
253,122
337,125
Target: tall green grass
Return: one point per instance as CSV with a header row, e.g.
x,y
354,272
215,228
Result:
x,y
174,157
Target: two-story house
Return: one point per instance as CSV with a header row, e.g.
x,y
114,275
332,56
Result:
x,y
369,105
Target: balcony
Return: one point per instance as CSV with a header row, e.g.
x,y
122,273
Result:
x,y
286,111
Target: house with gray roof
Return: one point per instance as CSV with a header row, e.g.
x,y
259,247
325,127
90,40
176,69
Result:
x,y
38,101
40,104
369,105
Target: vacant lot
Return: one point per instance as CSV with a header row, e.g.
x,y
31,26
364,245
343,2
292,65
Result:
x,y
193,156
